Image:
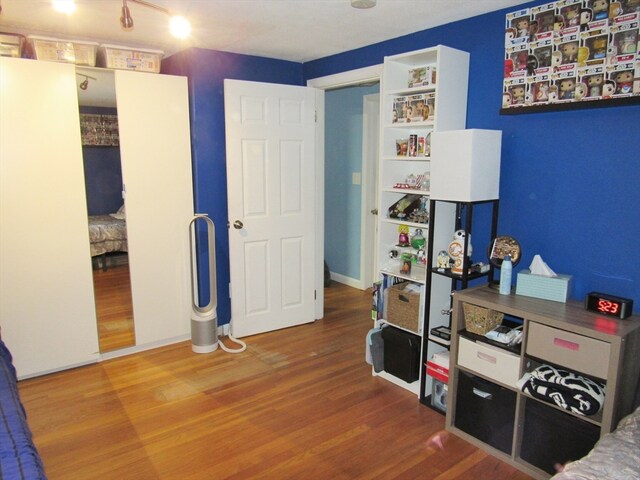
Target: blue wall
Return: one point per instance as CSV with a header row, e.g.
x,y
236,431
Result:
x,y
207,70
569,180
102,173
343,157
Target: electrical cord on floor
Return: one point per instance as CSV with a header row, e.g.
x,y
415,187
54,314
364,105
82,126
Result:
x,y
243,346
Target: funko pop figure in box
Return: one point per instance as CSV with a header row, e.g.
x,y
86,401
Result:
x,y
517,94
571,15
600,9
594,82
569,52
597,47
624,82
608,89
580,91
522,26
631,6
567,87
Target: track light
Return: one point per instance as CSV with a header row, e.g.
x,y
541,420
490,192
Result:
x,y
85,83
126,21
178,26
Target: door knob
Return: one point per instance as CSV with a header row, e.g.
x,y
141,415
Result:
x,y
374,211
238,224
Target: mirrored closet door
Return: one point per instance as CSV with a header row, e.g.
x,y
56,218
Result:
x,y
106,208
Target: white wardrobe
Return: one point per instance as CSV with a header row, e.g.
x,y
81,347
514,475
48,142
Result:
x,y
47,307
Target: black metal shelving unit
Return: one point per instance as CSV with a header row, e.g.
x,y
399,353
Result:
x,y
458,282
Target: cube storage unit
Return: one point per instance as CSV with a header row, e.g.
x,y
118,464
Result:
x,y
401,354
486,407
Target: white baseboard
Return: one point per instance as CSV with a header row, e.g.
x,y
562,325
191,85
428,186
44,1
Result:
x,y
352,282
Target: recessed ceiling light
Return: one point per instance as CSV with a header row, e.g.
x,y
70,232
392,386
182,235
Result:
x,y
363,3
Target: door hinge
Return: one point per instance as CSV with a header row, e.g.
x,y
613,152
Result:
x,y
315,294
315,115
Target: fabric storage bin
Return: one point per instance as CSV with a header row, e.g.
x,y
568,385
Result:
x,y
485,411
401,354
572,351
492,362
551,436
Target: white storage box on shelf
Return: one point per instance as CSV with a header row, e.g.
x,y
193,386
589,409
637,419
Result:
x,y
465,165
10,45
127,58
68,51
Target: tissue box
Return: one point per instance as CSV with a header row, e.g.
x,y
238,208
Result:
x,y
557,288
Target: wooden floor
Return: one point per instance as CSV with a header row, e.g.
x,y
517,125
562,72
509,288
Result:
x,y
298,404
114,308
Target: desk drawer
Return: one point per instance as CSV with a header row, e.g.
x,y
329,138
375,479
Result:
x,y
493,363
569,350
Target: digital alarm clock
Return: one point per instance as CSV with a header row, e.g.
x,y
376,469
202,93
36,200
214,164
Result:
x,y
609,304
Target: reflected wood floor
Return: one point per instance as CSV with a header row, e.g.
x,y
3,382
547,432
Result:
x,y
300,403
114,308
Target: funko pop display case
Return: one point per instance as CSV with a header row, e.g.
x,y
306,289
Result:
x,y
572,54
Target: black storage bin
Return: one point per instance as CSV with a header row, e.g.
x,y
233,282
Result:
x,y
551,436
401,354
486,411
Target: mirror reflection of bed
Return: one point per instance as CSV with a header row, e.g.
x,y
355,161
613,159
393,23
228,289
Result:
x,y
106,210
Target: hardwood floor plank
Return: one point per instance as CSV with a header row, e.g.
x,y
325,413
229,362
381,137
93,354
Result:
x,y
298,403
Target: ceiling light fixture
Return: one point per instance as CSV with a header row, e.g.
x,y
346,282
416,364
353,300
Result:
x,y
178,25
363,3
85,83
64,6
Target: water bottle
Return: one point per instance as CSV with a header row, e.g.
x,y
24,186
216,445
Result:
x,y
505,275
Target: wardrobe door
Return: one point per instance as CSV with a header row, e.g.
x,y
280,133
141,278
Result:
x,y
153,117
47,308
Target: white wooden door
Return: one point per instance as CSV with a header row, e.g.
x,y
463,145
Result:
x,y
153,117
270,142
47,308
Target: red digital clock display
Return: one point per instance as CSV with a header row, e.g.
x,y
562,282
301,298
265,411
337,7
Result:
x,y
609,304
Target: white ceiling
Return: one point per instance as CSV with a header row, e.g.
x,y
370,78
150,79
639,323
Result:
x,y
296,30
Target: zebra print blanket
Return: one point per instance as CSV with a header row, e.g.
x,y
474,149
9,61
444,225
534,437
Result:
x,y
565,389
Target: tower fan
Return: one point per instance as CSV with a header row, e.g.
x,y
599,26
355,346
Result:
x,y
204,319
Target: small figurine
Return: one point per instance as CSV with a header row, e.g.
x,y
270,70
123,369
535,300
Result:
x,y
600,9
542,92
586,15
608,89
571,15
598,48
403,237
567,88
615,9
624,82
506,100
580,91
553,94
517,94
443,260
569,52
594,83
522,26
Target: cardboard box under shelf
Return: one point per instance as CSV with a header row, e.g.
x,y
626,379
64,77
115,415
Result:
x,y
557,288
